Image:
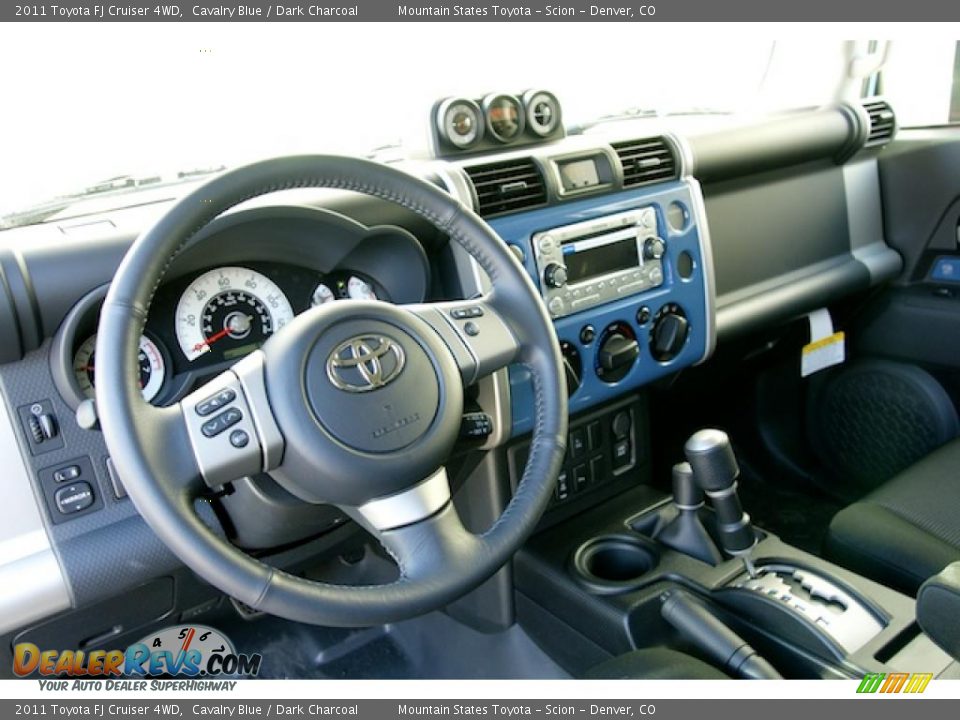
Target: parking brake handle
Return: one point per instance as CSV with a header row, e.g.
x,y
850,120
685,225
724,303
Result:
x,y
697,624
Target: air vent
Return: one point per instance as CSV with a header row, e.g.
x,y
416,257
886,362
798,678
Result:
x,y
883,122
507,186
646,161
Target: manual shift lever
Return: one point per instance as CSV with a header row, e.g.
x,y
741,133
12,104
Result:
x,y
716,471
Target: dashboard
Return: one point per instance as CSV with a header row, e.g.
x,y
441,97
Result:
x,y
647,247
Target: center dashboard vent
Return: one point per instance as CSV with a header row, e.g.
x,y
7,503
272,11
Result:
x,y
646,161
507,186
883,122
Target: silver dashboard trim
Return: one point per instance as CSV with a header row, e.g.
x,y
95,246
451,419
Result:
x,y
861,183
706,253
699,210
34,585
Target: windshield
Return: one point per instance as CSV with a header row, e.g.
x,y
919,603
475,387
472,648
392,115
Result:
x,y
112,108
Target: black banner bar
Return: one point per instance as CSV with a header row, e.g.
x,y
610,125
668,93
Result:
x,y
607,709
480,11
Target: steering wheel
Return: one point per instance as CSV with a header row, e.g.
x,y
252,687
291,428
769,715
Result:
x,y
355,404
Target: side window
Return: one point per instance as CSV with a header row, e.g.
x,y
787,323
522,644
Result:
x,y
955,95
921,79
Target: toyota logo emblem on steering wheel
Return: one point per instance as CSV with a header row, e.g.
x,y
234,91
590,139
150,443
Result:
x,y
364,363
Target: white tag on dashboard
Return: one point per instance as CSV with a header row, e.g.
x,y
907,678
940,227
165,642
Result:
x,y
826,347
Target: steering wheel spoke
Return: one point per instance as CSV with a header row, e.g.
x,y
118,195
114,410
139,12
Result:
x,y
480,337
420,528
231,426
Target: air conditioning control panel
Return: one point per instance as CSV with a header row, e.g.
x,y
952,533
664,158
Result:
x,y
626,277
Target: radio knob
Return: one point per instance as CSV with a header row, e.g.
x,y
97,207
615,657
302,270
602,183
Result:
x,y
556,306
555,275
653,248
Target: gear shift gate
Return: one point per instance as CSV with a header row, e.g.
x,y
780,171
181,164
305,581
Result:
x,y
832,610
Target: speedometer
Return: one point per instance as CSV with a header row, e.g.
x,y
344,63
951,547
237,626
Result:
x,y
230,311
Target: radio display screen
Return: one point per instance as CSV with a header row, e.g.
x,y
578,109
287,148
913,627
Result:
x,y
601,260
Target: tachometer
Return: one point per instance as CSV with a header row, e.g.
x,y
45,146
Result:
x,y
150,360
322,295
230,310
360,289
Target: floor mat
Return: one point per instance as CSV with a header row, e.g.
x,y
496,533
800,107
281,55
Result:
x,y
431,646
798,517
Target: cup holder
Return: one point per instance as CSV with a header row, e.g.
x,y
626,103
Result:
x,y
613,563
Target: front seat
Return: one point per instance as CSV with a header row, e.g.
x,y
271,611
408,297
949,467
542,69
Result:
x,y
656,663
908,529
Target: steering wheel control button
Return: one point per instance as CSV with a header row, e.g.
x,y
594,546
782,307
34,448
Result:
x,y
216,425
71,472
239,438
465,313
215,402
73,498
476,426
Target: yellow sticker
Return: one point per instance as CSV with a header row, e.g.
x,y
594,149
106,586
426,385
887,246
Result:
x,y
837,337
823,353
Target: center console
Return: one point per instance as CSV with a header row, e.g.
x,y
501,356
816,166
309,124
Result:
x,y
691,573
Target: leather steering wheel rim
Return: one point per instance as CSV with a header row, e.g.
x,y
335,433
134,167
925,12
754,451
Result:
x,y
439,561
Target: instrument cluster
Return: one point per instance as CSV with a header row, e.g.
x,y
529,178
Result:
x,y
204,319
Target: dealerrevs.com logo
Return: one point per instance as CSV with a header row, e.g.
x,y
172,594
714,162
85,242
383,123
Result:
x,y
180,651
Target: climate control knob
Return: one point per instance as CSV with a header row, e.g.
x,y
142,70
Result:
x,y
573,367
669,333
617,351
555,275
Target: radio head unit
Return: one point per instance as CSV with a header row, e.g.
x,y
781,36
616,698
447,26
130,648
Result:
x,y
591,263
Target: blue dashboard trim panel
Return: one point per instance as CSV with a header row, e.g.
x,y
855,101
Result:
x,y
690,294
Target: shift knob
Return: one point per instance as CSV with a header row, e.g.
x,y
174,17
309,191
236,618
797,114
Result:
x,y
716,471
711,456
